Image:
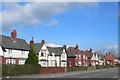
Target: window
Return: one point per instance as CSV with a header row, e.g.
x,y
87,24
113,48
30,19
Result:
x,y
63,64
53,63
63,55
23,52
76,56
9,50
21,61
79,56
42,54
10,61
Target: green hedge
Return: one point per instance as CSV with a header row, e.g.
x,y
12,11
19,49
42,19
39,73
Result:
x,y
91,68
108,66
15,70
77,68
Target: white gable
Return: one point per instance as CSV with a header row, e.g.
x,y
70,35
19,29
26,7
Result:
x,y
1,51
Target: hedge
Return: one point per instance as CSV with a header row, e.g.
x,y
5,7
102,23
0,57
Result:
x,y
91,68
77,68
15,70
108,66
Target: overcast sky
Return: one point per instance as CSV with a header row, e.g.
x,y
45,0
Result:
x,y
90,25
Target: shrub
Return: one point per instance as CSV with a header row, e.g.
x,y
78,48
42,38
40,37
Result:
x,y
77,68
15,70
91,67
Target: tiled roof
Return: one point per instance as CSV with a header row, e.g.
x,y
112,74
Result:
x,y
56,50
109,56
72,51
19,44
37,47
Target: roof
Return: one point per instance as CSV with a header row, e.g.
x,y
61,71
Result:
x,y
20,44
72,51
56,50
37,47
88,54
109,56
3,49
102,57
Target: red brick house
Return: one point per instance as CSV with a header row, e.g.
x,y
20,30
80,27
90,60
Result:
x,y
109,59
72,59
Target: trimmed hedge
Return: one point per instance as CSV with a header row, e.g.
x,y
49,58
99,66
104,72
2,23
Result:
x,y
15,70
108,66
91,68
77,68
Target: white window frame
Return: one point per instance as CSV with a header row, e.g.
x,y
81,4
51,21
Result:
x,y
10,61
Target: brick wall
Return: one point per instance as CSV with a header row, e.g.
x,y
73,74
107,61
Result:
x,y
46,70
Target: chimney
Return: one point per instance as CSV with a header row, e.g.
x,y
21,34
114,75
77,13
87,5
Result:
x,y
109,52
64,46
90,50
106,54
77,46
13,35
43,41
32,44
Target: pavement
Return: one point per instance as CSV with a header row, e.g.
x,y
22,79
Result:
x,y
100,73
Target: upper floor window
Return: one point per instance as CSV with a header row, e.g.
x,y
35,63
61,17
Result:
x,y
9,50
42,54
76,56
63,55
79,56
23,52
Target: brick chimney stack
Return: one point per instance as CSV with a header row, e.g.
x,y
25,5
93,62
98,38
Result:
x,y
14,35
64,46
43,41
90,50
77,46
32,44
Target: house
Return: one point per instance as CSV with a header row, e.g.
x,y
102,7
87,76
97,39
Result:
x,y
83,58
50,56
94,59
101,59
2,50
88,55
116,61
58,56
109,59
16,49
72,59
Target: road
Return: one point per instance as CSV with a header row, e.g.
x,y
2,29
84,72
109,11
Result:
x,y
104,73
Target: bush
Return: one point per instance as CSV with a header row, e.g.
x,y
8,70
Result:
x,y
77,68
104,66
91,68
15,70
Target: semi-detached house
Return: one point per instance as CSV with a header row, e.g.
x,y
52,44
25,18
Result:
x,y
50,56
15,49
